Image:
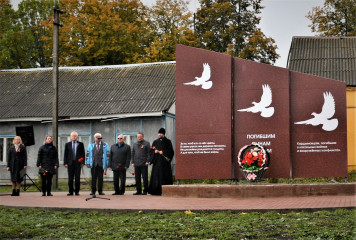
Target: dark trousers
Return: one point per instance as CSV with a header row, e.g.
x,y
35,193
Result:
x,y
46,182
120,180
74,174
97,173
141,171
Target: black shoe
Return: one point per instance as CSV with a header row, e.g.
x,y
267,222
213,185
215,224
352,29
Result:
x,y
43,194
49,194
101,193
92,193
137,193
121,193
76,194
144,193
17,192
70,194
116,193
13,192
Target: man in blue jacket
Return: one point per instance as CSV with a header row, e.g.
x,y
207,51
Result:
x,y
97,160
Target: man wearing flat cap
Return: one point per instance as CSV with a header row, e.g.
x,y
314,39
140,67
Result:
x,y
162,155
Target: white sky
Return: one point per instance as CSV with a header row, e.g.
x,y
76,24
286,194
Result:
x,y
283,19
280,20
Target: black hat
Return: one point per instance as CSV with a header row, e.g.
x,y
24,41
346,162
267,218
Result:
x,y
161,130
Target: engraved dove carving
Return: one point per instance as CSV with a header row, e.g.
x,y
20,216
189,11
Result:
x,y
204,79
263,105
323,118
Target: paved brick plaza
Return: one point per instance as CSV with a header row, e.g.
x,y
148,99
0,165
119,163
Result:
x,y
129,202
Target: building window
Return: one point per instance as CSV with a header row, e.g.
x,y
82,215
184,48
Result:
x,y
5,143
130,139
64,139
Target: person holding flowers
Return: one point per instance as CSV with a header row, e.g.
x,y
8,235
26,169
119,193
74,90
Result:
x,y
140,161
162,157
120,157
47,162
16,161
74,155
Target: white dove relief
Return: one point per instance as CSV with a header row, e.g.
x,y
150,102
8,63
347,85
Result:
x,y
263,105
327,112
204,79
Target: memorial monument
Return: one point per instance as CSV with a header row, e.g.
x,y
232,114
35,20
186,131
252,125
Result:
x,y
224,103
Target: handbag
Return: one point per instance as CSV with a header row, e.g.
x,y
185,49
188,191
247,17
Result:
x,y
22,172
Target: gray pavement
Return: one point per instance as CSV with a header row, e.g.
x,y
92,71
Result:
x,y
129,202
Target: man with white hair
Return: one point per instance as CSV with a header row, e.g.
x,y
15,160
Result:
x,y
97,160
74,159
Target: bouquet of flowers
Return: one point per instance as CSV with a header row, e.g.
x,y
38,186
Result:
x,y
166,158
253,161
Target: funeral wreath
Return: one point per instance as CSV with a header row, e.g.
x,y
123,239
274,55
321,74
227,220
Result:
x,y
253,161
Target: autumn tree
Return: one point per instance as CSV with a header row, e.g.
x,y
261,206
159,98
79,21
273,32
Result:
x,y
170,23
99,32
335,18
31,14
6,34
230,26
22,44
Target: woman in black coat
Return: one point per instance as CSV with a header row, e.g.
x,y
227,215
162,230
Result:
x,y
47,162
16,161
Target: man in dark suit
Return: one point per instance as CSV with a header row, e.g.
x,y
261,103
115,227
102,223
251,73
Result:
x,y
120,157
74,160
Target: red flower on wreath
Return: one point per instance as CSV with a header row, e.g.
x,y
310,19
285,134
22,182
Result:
x,y
254,161
80,160
250,158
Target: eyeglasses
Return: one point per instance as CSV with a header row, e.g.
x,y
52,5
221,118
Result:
x,y
120,138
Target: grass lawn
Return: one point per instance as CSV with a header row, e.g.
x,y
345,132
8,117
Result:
x,y
49,224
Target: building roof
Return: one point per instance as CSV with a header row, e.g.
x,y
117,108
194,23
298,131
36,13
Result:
x,y
329,57
88,92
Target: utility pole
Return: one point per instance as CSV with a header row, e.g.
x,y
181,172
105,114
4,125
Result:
x,y
194,30
56,26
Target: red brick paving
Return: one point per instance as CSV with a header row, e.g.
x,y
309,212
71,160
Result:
x,y
129,202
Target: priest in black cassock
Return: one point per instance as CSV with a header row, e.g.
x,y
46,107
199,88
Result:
x,y
162,155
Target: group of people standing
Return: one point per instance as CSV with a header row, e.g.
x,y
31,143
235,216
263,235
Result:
x,y
160,154
99,157
140,156
47,163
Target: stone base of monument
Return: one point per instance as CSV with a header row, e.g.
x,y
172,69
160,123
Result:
x,y
258,190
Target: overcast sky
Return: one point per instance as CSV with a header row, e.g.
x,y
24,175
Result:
x,y
280,20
